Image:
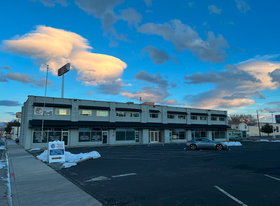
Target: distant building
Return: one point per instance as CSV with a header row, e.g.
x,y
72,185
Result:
x,y
238,130
277,119
254,130
87,123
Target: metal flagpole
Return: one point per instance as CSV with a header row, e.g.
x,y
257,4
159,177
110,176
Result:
x,y
42,132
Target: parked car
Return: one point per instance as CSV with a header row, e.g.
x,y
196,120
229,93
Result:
x,y
205,143
17,139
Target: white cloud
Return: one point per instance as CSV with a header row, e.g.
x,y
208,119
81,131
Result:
x,y
51,3
25,79
242,6
185,38
148,2
214,10
235,88
56,47
159,56
89,93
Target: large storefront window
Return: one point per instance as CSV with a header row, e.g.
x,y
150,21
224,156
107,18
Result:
x,y
90,135
218,135
125,134
49,135
178,134
198,134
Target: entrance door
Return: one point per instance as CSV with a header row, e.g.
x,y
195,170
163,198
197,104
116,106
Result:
x,y
104,137
65,137
153,136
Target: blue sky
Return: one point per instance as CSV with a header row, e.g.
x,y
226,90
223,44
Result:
x,y
203,54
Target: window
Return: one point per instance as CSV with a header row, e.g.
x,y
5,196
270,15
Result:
x,y
223,119
178,134
125,134
181,117
171,116
136,114
49,135
214,118
90,135
153,115
203,118
102,113
193,117
198,134
245,126
120,114
85,112
277,129
218,135
62,111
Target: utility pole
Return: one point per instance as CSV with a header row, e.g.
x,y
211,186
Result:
x,y
42,132
272,124
259,125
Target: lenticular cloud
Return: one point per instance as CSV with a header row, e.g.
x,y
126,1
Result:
x,y
56,47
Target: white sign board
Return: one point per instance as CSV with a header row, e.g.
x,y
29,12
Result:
x,y
39,111
56,151
63,69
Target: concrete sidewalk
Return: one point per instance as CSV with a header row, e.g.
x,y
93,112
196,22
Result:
x,y
34,183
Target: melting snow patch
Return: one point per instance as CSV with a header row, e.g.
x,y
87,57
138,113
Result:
x,y
2,147
34,149
2,165
265,140
233,143
67,165
71,159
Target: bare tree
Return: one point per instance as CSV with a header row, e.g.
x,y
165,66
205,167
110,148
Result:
x,y
239,118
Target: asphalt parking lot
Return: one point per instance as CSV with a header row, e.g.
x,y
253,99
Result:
x,y
168,175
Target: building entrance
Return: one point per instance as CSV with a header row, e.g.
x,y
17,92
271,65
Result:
x,y
154,137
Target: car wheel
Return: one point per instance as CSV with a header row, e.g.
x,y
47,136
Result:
x,y
219,147
193,147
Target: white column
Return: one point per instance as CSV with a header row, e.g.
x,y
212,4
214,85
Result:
x,y
166,136
145,136
189,135
209,135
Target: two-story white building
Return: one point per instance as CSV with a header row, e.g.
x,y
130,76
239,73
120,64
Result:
x,y
87,122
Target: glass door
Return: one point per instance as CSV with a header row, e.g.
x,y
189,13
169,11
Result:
x,y
104,137
153,136
65,137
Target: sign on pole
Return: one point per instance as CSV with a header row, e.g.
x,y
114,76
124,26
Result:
x,y
61,72
63,69
18,115
56,151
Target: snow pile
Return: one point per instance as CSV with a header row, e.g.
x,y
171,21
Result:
x,y
2,165
34,149
265,140
2,147
71,159
233,143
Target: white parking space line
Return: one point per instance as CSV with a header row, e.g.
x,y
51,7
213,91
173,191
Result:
x,y
272,177
101,178
124,175
229,195
130,145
